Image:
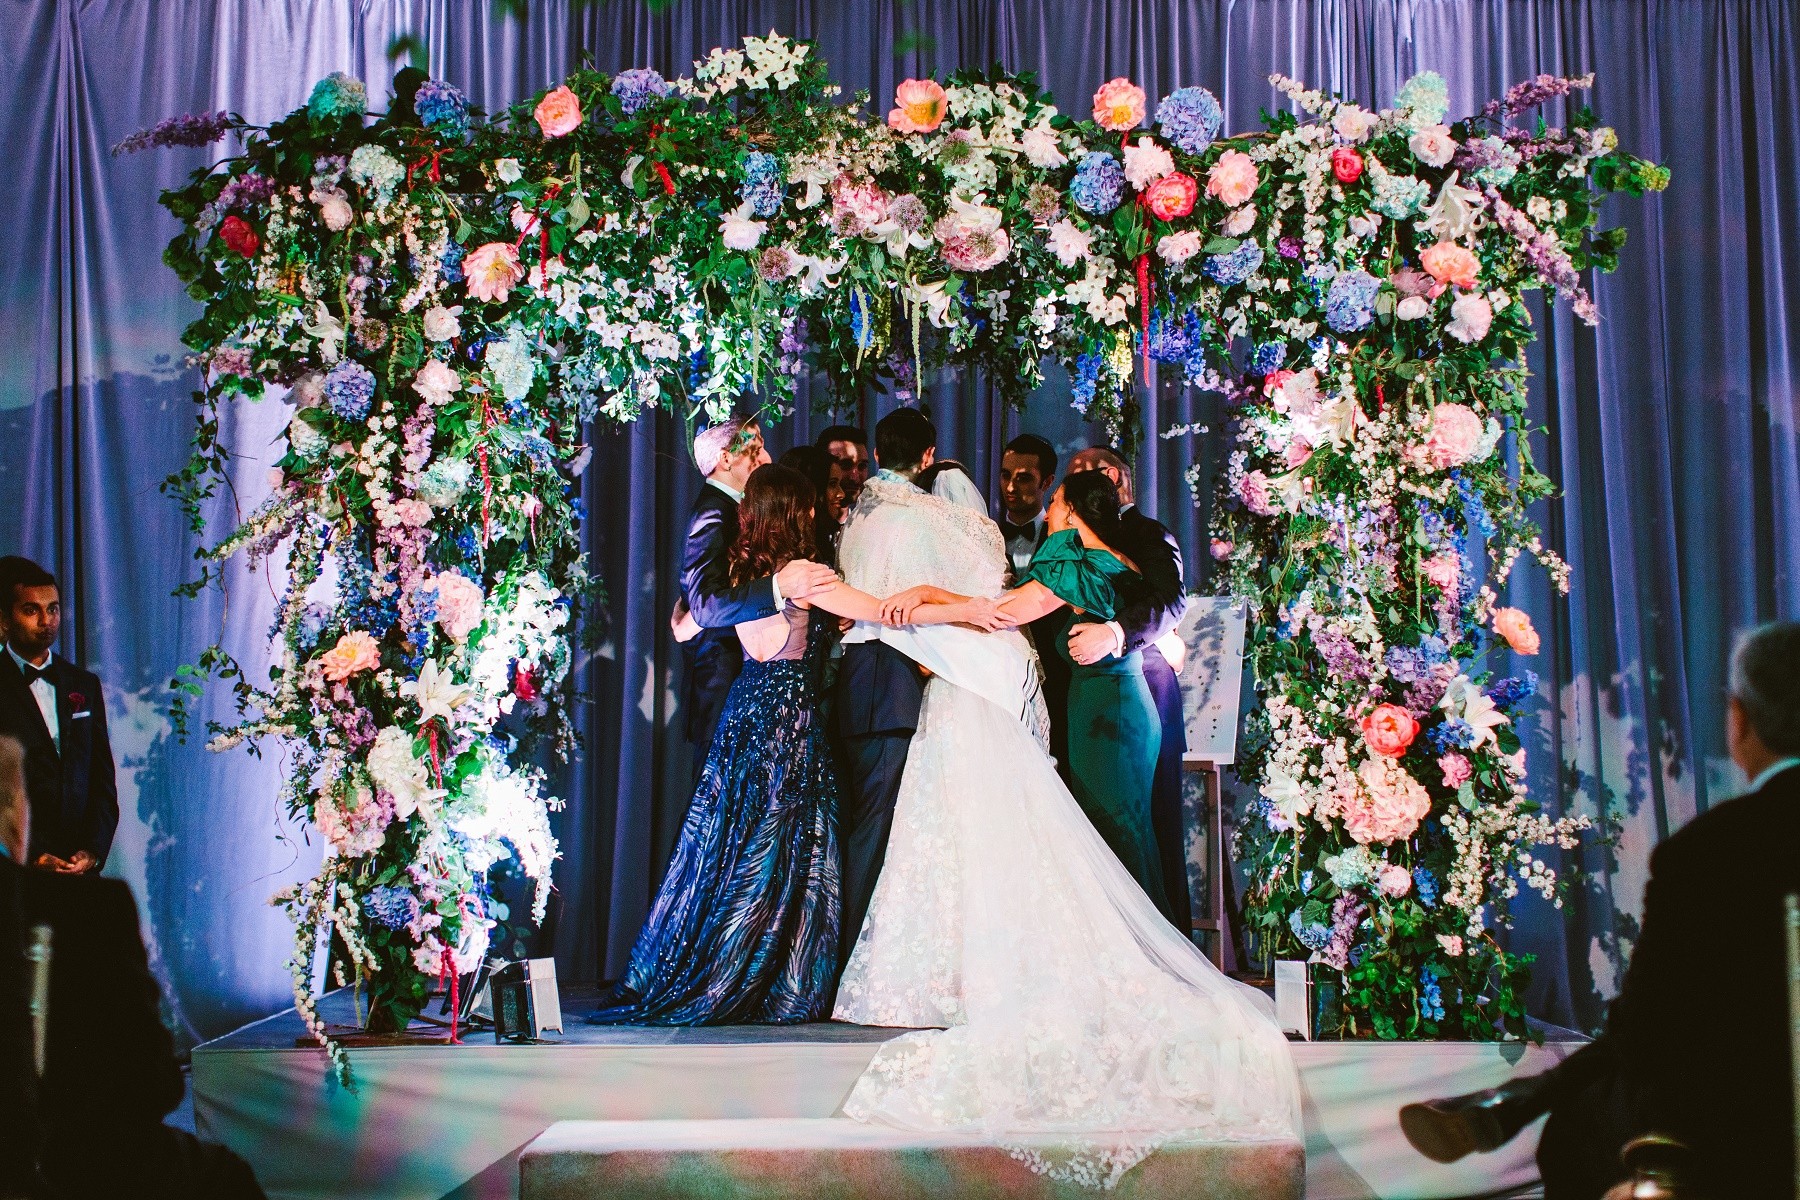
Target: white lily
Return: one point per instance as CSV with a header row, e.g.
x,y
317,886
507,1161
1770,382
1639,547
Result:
x,y
1463,699
1456,211
933,299
436,693
330,332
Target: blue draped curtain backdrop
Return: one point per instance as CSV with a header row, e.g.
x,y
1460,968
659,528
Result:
x,y
1670,428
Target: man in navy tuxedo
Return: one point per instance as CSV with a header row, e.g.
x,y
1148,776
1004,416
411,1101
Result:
x,y
1148,630
55,710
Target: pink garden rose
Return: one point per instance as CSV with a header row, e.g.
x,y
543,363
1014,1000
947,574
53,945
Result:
x,y
1253,490
1456,769
1514,626
1387,807
1470,319
458,605
1455,432
1433,145
1389,730
1346,164
436,382
492,271
1233,179
1450,264
1119,105
1394,880
558,113
355,651
1172,196
918,106
1444,571
1221,549
1452,944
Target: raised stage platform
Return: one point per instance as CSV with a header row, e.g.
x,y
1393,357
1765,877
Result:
x,y
430,1121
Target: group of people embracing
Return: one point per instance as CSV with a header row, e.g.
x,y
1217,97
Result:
x,y
881,833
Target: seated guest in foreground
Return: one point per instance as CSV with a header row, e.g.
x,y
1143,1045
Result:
x,y
1698,1045
55,711
745,926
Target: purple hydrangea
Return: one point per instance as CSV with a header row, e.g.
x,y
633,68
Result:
x,y
1098,184
392,907
1510,694
1341,656
1350,302
1235,267
1288,247
638,87
764,185
1191,118
442,108
349,388
194,129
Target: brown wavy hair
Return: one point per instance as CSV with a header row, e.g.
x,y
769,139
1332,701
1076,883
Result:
x,y
775,523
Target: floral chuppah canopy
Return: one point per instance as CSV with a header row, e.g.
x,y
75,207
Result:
x,y
449,302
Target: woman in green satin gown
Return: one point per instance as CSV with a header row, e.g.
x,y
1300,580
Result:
x,y
1085,567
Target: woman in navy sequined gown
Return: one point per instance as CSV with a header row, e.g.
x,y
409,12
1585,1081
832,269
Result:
x,y
745,926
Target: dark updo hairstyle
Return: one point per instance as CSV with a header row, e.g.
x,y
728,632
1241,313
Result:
x,y
1094,497
925,480
775,523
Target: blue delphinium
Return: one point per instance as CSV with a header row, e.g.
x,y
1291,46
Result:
x,y
1191,118
1099,182
442,108
1350,303
450,262
1427,96
1313,936
1086,382
1510,694
1267,358
764,186
1475,510
392,907
1453,734
337,95
1235,267
1317,279
1431,996
349,387
637,87
1425,887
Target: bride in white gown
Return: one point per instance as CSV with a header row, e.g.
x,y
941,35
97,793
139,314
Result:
x,y
1059,1013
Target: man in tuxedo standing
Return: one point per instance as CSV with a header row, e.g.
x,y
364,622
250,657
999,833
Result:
x,y
1151,632
877,695
1027,473
55,710
727,453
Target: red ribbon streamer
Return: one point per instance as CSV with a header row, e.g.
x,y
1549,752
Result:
x,y
1380,400
447,966
437,769
487,480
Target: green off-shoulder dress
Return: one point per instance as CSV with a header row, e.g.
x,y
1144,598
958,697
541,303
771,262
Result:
x,y
1114,733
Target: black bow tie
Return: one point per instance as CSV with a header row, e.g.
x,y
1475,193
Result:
x,y
1011,531
33,674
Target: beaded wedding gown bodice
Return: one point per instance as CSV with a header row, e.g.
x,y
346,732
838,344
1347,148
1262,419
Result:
x,y
1073,1024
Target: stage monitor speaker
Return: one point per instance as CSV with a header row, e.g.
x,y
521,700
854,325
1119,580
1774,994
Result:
x,y
525,1001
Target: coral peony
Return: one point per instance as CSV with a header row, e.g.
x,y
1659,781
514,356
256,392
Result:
x,y
1172,196
238,236
355,651
918,106
492,271
1470,319
1515,627
459,604
1346,164
1233,178
1388,806
1450,264
1389,730
1454,434
1119,105
558,113
1456,769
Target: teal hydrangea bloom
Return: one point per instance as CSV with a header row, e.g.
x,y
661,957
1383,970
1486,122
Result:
x,y
1426,96
337,95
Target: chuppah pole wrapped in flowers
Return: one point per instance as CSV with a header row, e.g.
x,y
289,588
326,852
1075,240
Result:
x,y
448,303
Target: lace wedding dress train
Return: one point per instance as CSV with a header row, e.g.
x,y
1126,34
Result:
x,y
1078,1028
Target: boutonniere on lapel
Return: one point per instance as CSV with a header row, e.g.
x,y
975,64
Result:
x,y
78,704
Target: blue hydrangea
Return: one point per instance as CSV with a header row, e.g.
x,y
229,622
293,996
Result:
x,y
425,602
764,185
1510,694
442,108
1407,664
1099,182
337,95
392,907
349,388
1426,96
450,262
1350,303
1235,267
1087,381
1267,358
1314,936
1431,996
1454,734
637,87
1425,887
1173,340
1191,118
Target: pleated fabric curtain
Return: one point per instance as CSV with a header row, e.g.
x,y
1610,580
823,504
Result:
x,y
1671,427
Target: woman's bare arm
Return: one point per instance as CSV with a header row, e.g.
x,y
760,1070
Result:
x,y
1027,602
845,601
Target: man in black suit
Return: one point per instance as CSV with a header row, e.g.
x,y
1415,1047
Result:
x,y
1698,1045
727,453
877,697
55,710
1027,477
1148,630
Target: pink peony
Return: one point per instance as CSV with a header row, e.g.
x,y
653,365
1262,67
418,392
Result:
x,y
458,605
436,382
1394,880
1389,730
1233,179
1069,242
355,651
559,112
415,513
1119,105
971,236
493,271
1238,222
919,106
1177,248
1445,571
1515,627
856,206
1146,162
336,212
1346,164
1253,490
1433,146
1387,807
1450,264
1412,308
1455,432
1352,123
1456,769
1470,319
1221,549
1298,451
1172,196
1451,943
1273,381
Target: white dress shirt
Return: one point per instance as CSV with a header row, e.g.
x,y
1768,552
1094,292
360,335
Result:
x,y
44,692
1019,549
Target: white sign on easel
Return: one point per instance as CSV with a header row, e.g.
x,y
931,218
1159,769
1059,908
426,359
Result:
x,y
1212,677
